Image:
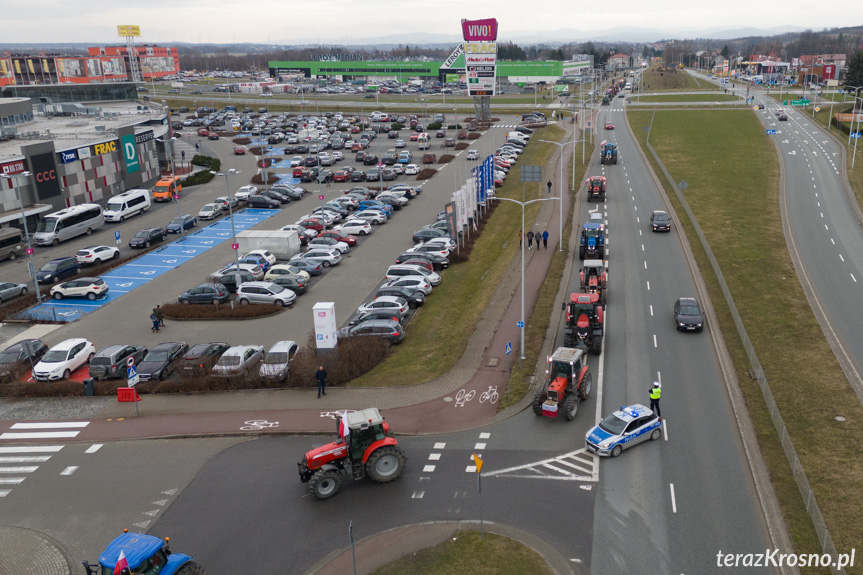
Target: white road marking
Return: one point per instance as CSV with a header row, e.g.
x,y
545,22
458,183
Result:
x,y
648,286
97,446
651,310
638,220
853,278
12,480
841,258
428,468
642,247
479,446
470,469
665,428
484,435
418,494
41,435
33,449
50,425
5,492
69,470
654,340
25,459
833,241
24,469
434,456
673,500
645,265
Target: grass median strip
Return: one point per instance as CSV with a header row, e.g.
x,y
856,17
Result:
x,y
709,97
661,80
438,335
741,220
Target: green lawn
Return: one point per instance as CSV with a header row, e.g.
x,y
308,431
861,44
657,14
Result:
x,y
659,81
743,225
467,554
687,98
438,334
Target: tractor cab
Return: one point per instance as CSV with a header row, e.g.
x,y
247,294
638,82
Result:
x,y
143,554
608,153
592,241
593,276
596,184
584,313
568,381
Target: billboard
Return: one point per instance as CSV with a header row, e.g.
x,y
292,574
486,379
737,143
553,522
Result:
x,y
480,60
326,329
130,153
124,31
479,30
45,173
11,168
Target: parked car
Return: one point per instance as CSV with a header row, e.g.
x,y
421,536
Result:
x,y
9,290
284,270
184,222
146,237
20,357
324,241
263,202
294,282
110,363
424,234
277,362
276,195
90,288
439,263
472,155
335,234
417,282
245,192
413,297
62,360
239,360
161,362
385,302
263,292
391,315
328,256
57,269
93,255
311,267
230,279
208,293
429,158
392,331
354,227
251,268
210,211
228,203
200,358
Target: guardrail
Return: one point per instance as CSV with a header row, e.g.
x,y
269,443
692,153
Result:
x,y
790,453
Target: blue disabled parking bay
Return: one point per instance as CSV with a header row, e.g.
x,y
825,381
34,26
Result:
x,y
123,279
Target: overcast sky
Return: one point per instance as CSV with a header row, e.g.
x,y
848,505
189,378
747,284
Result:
x,y
338,21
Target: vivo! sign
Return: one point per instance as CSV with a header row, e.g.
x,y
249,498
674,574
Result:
x,y
479,30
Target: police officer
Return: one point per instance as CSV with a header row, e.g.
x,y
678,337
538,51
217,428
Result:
x,y
654,398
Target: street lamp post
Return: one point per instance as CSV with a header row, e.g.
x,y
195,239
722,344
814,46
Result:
x,y
560,185
523,204
232,171
173,178
26,231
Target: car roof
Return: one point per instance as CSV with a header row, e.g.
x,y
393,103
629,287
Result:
x,y
257,284
199,348
628,413
241,349
110,350
376,322
167,345
284,345
688,301
391,298
69,343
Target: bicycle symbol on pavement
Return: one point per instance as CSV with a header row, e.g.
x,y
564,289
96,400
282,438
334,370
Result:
x,y
463,397
258,424
336,414
491,395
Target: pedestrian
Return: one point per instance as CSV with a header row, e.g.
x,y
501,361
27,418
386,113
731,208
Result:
x,y
654,398
321,376
549,186
529,238
157,312
183,155
197,147
520,236
155,320
545,239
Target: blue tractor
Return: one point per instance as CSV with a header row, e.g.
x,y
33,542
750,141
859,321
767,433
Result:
x,y
592,243
608,153
143,555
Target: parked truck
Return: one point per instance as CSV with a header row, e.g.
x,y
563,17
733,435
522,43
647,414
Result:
x,y
283,244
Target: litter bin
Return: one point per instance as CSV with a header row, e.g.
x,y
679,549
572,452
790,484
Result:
x,y
89,388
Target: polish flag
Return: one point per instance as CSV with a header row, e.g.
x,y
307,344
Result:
x,y
122,564
344,431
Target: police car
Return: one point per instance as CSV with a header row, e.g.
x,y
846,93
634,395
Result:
x,y
622,429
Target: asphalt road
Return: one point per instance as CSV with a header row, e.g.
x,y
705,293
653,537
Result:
x,y
348,284
671,504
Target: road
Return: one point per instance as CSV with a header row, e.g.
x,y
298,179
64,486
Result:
x,y
653,500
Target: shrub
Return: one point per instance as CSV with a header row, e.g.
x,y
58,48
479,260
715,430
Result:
x,y
454,127
214,164
259,179
426,173
198,178
398,126
446,158
242,141
461,146
222,311
474,136
434,126
353,357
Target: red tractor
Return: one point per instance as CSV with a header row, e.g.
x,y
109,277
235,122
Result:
x,y
584,324
594,279
568,381
365,448
596,188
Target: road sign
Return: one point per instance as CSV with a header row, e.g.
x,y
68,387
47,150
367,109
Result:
x,y
235,246
520,324
817,108
803,102
30,250
855,135
176,196
771,132
321,197
508,347
478,461
130,362
132,375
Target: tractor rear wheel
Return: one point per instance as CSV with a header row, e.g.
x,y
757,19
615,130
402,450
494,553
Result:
x,y
570,406
191,568
596,345
586,385
567,340
386,464
581,252
538,400
324,484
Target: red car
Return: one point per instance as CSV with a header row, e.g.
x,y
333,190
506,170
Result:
x,y
423,263
298,172
311,225
203,132
414,136
350,240
355,129
609,125
341,176
238,151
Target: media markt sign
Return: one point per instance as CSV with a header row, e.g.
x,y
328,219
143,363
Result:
x,y
480,55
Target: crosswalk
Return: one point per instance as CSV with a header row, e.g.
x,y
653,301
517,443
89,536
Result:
x,y
579,465
18,462
44,430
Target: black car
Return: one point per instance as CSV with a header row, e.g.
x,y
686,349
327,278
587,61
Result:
x,y
358,176
782,118
370,160
325,176
688,315
200,358
302,148
213,292
414,297
388,175
277,195
161,361
390,202
58,269
438,262
393,331
20,357
297,284
262,201
390,315
389,159
427,234
310,161
146,237
292,192
229,280
660,222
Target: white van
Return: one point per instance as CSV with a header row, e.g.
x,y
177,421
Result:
x,y
127,204
74,221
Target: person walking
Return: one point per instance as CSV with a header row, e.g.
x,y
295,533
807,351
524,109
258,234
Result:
x,y
655,391
155,320
520,237
321,376
197,147
549,186
529,238
157,312
545,239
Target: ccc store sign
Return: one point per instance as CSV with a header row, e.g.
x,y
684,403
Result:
x,y
46,176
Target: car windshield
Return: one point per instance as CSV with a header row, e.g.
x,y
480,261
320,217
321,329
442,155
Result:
x,y
50,266
613,425
660,217
142,234
9,356
55,356
157,356
689,310
177,221
276,358
46,226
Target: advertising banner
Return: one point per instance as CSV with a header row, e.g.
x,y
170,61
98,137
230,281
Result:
x,y
326,329
11,168
45,173
484,30
449,62
480,59
130,153
83,153
66,157
128,31
450,211
144,137
848,117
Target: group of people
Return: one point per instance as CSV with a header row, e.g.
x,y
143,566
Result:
x,y
531,236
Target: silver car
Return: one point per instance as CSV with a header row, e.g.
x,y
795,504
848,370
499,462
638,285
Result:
x,y
277,362
238,360
326,255
265,292
9,290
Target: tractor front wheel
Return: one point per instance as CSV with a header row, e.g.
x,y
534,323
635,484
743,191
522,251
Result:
x,y
386,464
324,484
190,568
596,346
586,385
570,406
538,400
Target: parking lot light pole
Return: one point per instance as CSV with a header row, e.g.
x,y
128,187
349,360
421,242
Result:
x,y
25,176
232,171
560,185
173,178
523,204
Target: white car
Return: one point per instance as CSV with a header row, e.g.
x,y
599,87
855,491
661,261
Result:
x,y
61,361
373,217
400,144
338,156
296,161
355,228
300,229
324,243
255,270
385,302
246,191
412,270
413,282
327,256
412,170
446,242
210,211
285,269
271,259
96,254
472,155
90,288
238,360
345,202
438,250
400,200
